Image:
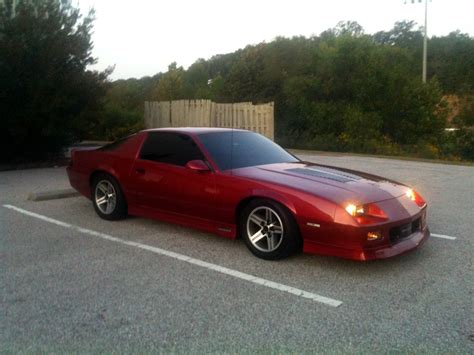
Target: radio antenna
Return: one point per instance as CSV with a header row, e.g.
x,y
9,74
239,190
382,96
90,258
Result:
x,y
232,143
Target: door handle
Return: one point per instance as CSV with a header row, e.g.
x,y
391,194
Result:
x,y
140,170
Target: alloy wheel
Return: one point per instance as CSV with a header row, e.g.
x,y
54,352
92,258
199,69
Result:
x,y
105,197
265,229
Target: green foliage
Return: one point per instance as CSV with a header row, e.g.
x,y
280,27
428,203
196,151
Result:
x,y
403,35
48,98
465,143
170,86
451,60
116,122
350,97
458,144
129,94
342,90
122,109
345,28
466,115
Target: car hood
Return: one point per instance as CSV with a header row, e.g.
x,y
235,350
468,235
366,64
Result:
x,y
331,183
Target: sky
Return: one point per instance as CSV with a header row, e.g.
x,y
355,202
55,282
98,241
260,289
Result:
x,y
142,37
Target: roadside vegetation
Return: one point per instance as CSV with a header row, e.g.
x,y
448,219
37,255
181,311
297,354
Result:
x,y
342,90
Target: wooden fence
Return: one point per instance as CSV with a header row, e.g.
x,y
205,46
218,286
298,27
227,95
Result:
x,y
205,113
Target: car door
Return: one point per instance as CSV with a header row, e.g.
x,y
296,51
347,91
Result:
x,y
162,181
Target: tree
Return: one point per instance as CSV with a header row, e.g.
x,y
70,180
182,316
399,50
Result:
x,y
344,28
48,96
403,34
170,85
451,60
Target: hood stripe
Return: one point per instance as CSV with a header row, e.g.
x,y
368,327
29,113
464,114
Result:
x,y
323,174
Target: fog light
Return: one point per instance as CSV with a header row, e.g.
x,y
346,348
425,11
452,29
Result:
x,y
374,235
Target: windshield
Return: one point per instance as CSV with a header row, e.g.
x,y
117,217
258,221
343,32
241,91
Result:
x,y
249,149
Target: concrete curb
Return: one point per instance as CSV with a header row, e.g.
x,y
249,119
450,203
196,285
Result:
x,y
52,195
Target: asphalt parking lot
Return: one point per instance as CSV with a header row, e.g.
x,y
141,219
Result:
x,y
71,281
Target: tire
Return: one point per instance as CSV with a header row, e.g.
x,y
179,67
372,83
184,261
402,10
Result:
x,y
107,198
269,229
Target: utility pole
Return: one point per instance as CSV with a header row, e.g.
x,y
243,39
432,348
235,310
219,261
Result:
x,y
425,43
425,39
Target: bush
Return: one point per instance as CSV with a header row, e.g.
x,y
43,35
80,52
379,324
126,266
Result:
x,y
425,150
465,143
458,145
116,122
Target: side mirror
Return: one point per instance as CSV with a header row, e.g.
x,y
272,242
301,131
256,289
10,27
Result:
x,y
197,165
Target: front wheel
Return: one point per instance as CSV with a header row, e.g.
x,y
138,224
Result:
x,y
269,229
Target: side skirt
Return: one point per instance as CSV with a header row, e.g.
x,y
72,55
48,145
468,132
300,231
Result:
x,y
221,229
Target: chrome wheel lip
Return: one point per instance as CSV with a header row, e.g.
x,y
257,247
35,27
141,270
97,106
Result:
x,y
265,229
105,197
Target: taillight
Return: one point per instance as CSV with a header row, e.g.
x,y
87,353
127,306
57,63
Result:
x,y
415,197
366,214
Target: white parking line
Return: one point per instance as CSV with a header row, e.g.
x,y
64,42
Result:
x,y
223,270
443,236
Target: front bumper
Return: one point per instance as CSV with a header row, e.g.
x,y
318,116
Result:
x,y
350,242
413,242
382,252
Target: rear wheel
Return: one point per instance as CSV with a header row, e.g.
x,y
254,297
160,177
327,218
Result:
x,y
109,202
269,229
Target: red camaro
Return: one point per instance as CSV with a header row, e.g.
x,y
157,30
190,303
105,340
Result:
x,y
238,183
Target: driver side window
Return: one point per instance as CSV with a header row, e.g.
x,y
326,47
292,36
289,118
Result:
x,y
170,148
